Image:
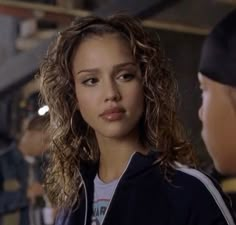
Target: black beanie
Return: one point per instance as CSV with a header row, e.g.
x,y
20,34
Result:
x,y
218,58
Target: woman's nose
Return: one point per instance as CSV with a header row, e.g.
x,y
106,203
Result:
x,y
112,92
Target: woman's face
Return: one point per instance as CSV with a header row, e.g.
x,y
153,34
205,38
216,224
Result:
x,y
218,117
108,86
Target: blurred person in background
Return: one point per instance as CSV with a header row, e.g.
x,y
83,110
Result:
x,y
217,77
33,144
22,194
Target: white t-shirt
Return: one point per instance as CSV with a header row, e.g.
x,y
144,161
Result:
x,y
102,196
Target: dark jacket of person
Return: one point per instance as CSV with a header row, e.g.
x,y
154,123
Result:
x,y
144,196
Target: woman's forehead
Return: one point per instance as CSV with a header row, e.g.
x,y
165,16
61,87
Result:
x,y
105,49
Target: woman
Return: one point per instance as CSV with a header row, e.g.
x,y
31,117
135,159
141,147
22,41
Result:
x,y
118,148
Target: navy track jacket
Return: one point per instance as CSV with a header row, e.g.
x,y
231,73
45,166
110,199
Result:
x,y
145,197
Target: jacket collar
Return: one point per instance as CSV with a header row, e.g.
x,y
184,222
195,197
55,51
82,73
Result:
x,y
138,163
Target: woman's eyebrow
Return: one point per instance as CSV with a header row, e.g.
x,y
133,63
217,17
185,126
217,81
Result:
x,y
121,65
115,67
93,70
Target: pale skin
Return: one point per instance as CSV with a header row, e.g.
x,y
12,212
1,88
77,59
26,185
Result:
x,y
218,116
110,99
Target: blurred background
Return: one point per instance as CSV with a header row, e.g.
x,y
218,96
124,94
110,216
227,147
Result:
x,y
27,28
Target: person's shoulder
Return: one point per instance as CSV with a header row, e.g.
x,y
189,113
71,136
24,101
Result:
x,y
192,181
7,150
204,193
196,180
193,176
11,153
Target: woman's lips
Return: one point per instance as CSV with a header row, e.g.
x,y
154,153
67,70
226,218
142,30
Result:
x,y
113,114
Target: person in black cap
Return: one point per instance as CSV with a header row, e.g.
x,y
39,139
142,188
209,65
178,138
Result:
x,y
217,77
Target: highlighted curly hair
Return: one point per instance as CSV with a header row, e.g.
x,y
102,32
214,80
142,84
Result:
x,y
72,144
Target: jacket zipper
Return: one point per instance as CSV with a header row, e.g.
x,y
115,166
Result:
x,y
116,187
86,194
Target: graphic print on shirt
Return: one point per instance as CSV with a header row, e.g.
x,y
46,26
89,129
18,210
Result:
x,y
99,210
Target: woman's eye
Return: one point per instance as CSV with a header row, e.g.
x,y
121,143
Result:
x,y
126,76
90,81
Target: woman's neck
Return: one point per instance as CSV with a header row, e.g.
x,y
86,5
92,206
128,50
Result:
x,y
115,154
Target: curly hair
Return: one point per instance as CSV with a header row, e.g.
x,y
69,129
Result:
x,y
159,127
